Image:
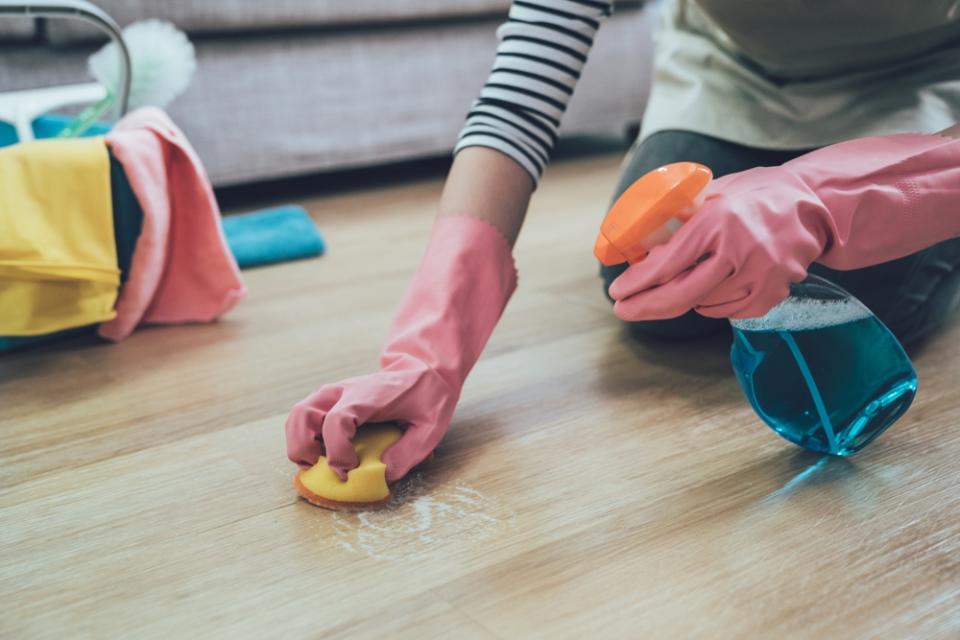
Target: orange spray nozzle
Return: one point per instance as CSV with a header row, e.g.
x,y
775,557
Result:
x,y
650,211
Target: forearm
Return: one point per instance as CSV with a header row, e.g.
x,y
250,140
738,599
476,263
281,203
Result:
x,y
884,197
486,184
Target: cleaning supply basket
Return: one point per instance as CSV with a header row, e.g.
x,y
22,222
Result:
x,y
29,114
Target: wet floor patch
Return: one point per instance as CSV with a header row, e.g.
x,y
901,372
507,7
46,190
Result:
x,y
421,517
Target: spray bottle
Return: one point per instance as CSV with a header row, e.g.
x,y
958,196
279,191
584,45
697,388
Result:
x,y
819,368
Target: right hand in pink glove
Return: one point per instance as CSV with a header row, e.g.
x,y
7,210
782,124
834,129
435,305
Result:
x,y
847,206
456,298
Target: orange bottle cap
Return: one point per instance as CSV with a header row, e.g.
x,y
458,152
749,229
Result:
x,y
650,211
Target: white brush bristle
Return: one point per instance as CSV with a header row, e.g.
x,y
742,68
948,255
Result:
x,y
162,59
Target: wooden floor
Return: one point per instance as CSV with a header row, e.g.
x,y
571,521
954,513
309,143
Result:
x,y
590,486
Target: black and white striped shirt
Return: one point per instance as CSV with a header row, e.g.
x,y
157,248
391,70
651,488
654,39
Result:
x,y
543,47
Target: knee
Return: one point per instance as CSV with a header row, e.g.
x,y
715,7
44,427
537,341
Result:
x,y
689,325
928,312
608,275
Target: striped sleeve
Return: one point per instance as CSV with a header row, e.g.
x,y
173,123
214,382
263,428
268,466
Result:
x,y
543,47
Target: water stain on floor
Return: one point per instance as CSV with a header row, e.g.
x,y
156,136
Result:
x,y
421,518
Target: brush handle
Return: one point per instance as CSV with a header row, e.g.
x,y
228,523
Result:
x,y
79,125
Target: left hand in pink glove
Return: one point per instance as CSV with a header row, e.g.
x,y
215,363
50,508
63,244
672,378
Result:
x,y
449,311
848,206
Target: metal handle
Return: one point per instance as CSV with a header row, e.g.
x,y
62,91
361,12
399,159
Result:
x,y
88,12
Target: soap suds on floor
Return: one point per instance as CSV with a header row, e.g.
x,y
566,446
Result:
x,y
420,518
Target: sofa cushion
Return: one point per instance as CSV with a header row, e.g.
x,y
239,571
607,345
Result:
x,y
16,29
258,15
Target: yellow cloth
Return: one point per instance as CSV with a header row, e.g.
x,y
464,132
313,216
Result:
x,y
58,259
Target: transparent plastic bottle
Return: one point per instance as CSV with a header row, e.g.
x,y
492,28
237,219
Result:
x,y
819,368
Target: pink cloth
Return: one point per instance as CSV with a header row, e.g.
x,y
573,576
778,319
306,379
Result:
x,y
182,268
454,301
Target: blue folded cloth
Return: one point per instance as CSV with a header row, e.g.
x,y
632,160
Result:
x,y
272,235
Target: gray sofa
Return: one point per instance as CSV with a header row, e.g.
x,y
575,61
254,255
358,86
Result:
x,y
291,87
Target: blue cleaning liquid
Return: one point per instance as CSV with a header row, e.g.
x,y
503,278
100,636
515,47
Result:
x,y
828,376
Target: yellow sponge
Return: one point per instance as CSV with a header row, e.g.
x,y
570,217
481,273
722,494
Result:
x,y
365,486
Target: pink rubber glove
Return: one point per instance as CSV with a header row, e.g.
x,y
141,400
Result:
x,y
847,206
456,298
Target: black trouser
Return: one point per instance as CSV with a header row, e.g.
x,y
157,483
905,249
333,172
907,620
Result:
x,y
913,295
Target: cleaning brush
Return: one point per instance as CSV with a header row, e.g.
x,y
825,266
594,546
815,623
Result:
x,y
162,65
